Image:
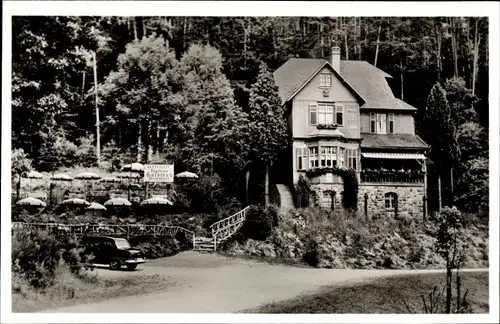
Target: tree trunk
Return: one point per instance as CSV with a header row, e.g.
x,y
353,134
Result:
x,y
438,53
378,44
135,28
18,188
245,37
157,141
449,278
184,30
266,186
144,28
439,192
454,48
247,179
139,142
83,88
346,45
451,184
477,40
402,76
98,133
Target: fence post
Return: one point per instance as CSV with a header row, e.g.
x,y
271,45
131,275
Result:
x,y
215,243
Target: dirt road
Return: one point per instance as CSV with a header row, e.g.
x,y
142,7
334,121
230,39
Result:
x,y
209,283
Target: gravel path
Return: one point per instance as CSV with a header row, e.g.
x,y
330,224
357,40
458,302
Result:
x,y
210,283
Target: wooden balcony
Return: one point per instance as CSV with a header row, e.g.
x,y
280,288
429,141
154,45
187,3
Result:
x,y
388,176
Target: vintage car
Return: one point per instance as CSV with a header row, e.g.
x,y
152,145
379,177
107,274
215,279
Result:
x,y
113,251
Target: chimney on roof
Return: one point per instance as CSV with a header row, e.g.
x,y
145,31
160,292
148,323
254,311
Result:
x,y
335,59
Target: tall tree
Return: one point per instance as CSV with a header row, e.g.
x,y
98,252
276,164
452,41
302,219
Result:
x,y
146,92
444,151
268,131
215,125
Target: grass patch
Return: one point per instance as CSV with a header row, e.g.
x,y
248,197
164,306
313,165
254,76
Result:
x,y
381,296
70,290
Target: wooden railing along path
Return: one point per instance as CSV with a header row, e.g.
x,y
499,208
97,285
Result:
x,y
105,229
221,230
226,227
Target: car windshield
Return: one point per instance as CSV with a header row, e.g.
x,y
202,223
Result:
x,y
122,243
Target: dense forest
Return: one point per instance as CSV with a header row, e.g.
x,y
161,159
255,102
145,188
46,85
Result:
x,y
190,89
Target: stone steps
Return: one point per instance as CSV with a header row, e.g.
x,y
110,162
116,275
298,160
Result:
x,y
286,196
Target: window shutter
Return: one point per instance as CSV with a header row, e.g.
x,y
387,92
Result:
x,y
297,158
373,123
339,115
313,114
305,154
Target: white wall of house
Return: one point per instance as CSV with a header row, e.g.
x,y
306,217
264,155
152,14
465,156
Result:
x,y
312,94
403,123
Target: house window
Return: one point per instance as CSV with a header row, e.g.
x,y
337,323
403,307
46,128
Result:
x,y
313,115
313,157
301,158
325,80
391,123
373,128
352,158
339,114
390,200
341,157
325,114
381,123
328,156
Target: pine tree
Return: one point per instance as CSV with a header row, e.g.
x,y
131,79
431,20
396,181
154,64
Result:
x,y
268,130
441,132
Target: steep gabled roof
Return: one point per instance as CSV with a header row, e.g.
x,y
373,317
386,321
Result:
x,y
295,73
367,81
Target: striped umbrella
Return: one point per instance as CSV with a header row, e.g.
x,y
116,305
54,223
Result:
x,y
117,202
87,176
30,201
62,177
186,174
76,202
156,201
95,206
129,175
133,167
33,175
110,179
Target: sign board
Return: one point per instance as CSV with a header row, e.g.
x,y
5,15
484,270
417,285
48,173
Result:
x,y
159,173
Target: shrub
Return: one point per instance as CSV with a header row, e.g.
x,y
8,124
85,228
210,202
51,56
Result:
x,y
36,256
20,162
351,188
259,223
159,246
86,153
303,191
65,151
204,195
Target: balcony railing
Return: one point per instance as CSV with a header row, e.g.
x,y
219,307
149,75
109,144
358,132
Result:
x,y
387,176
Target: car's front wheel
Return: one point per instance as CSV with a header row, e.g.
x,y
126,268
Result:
x,y
115,265
131,266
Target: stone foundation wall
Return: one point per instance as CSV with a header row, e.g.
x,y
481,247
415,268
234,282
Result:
x,y
410,198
